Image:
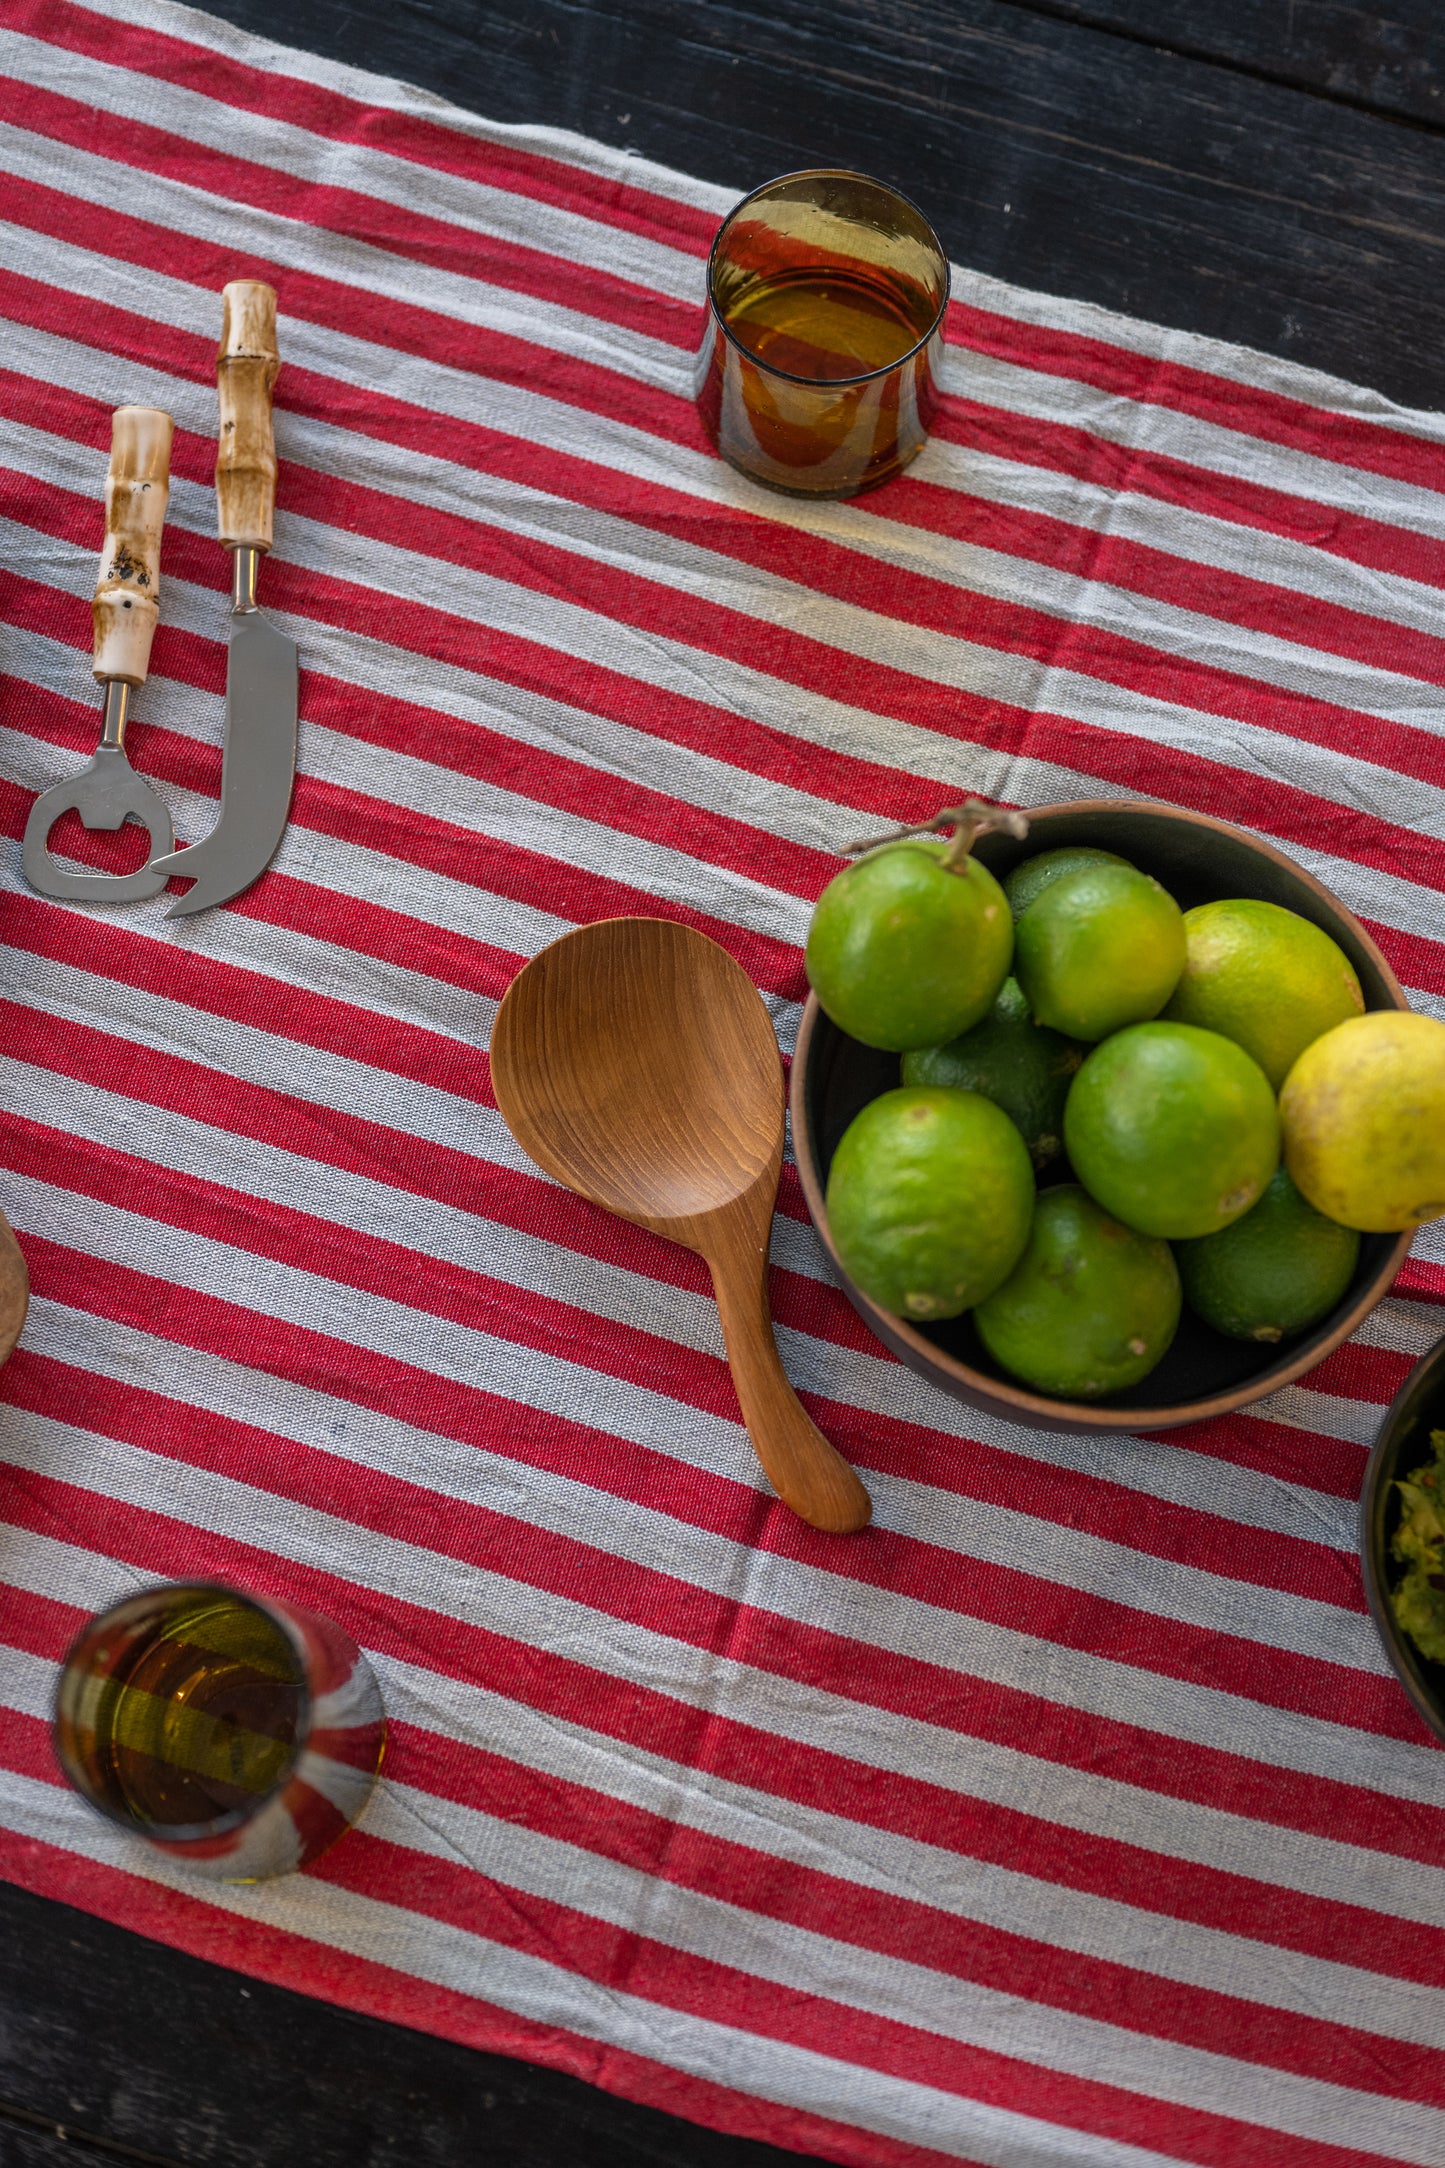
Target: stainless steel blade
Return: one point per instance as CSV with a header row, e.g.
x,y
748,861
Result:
x,y
257,772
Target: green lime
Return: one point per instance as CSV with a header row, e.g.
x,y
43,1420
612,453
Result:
x,y
1282,1267
929,1198
1174,1130
903,951
1036,874
1021,1066
1102,947
1089,1308
1266,978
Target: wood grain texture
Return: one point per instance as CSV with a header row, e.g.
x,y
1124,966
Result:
x,y
14,1289
1065,156
1043,151
1387,60
247,363
136,2050
635,1062
128,583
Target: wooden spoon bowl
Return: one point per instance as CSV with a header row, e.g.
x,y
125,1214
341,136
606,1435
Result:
x,y
634,1061
14,1290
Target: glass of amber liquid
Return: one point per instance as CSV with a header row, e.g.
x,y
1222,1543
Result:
x,y
239,1734
826,294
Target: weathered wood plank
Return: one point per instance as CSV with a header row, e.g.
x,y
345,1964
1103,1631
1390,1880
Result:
x,y
1045,152
1390,59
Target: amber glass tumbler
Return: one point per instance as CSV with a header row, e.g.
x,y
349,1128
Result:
x,y
826,294
239,1734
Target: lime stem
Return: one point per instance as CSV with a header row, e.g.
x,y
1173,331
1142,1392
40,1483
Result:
x,y
968,821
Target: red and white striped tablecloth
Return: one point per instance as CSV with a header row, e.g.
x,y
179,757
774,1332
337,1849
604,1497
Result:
x,y
1070,1815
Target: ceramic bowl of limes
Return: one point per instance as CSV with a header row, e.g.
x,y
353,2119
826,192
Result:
x,y
975,1283
1402,1536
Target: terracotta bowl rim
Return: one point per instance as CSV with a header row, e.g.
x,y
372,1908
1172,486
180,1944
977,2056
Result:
x,y
1380,1469
1018,1401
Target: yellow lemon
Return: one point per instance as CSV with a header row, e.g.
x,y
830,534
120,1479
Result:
x,y
1363,1111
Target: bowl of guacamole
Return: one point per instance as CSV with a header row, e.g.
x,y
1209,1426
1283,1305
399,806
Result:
x,y
1402,1536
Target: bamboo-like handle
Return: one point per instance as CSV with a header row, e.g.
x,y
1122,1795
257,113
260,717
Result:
x,y
128,590
246,368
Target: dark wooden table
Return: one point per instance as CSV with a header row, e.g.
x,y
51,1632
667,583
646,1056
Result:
x,y
1268,171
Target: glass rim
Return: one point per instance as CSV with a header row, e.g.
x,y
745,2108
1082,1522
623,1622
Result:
x,y
219,1825
864,376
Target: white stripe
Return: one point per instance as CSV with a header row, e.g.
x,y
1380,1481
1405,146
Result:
x,y
423,191
796,711
1065,1676
1174,434
734,589
799,1960
554,1996
573,1390
993,1534
434,1228
269,236
817,1843
1190,537
1018,581
734,1692
1249,366
586,434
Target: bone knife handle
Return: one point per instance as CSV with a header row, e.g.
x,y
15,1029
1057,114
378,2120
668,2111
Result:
x,y
246,367
127,592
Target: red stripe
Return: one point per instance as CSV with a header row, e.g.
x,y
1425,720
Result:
x,y
1081,552
839,778
1114,757
911,1931
321,111
263,1952
1063,449
349,1141
1227,401
443,340
848,575
948,1581
622,1963
1100,1866
407,836
460,251
894,1926
1109,1510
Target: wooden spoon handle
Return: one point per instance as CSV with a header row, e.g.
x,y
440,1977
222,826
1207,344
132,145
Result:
x,y
246,368
127,590
805,1471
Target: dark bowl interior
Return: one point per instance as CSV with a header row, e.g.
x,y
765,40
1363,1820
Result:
x,y
1204,1373
1402,1444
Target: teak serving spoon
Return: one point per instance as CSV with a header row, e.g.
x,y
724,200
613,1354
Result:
x,y
634,1061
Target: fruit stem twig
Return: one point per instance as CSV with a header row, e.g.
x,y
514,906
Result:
x,y
968,821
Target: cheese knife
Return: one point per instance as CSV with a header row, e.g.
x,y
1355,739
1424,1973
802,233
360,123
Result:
x,y
259,758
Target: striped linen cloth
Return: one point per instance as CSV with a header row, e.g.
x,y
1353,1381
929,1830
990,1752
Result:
x,y
1070,1815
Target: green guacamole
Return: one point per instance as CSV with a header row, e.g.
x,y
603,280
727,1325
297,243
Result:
x,y
1418,1598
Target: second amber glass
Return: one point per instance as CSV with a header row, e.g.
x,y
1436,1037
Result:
x,y
239,1734
826,294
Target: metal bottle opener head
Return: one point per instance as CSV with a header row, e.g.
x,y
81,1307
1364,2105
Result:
x,y
105,794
